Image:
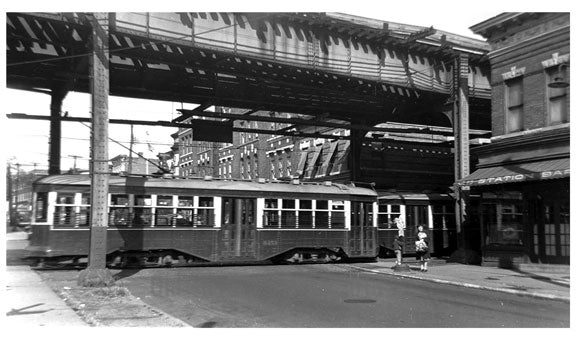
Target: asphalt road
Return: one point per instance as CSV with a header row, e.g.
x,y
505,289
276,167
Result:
x,y
330,296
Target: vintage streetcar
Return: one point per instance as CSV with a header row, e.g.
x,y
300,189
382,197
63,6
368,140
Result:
x,y
154,221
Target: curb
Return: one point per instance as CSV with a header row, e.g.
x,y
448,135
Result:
x,y
469,285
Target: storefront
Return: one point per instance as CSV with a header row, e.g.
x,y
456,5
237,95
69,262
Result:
x,y
524,212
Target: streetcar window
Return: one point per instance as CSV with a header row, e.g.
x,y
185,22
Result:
x,y
386,215
143,200
206,201
41,206
305,204
321,219
119,213
288,213
85,199
65,198
164,201
64,212
305,214
205,215
164,217
337,218
337,205
84,217
228,211
271,213
185,217
185,201
270,203
288,204
120,200
322,205
142,217
119,216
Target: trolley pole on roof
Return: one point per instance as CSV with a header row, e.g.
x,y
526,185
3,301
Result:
x,y
96,274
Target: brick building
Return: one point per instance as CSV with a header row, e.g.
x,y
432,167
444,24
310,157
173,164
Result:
x,y
522,179
137,165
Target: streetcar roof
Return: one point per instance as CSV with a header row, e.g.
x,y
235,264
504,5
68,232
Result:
x,y
216,186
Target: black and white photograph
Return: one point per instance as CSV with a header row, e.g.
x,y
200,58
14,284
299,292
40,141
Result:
x,y
300,169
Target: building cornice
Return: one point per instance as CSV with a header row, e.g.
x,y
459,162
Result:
x,y
526,139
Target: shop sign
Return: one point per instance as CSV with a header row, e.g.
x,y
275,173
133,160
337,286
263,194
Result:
x,y
519,177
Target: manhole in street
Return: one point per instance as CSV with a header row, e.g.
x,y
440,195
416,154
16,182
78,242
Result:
x,y
359,301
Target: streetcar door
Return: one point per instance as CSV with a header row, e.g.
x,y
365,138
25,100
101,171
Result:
x,y
362,237
238,235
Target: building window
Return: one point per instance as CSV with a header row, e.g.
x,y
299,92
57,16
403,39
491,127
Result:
x,y
557,97
514,105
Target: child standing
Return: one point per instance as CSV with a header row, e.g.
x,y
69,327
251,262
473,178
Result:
x,y
422,250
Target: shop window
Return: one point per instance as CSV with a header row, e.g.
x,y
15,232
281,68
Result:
x,y
503,222
514,105
564,212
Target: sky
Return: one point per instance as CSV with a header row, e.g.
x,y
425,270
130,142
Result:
x,y
28,140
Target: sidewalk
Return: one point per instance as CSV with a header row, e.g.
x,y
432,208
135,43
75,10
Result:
x,y
26,300
548,282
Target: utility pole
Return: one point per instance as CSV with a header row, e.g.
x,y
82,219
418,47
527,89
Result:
x,y
129,170
16,194
75,157
10,193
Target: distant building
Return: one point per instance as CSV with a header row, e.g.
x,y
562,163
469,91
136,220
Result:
x,y
523,176
135,165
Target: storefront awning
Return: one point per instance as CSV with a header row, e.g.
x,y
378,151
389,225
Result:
x,y
513,173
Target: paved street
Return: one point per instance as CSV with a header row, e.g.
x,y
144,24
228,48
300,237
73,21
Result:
x,y
330,296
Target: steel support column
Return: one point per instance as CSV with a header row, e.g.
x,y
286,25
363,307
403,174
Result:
x,y
461,122
356,137
54,153
96,273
